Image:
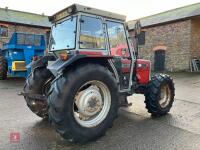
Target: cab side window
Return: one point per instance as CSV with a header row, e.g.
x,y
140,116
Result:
x,y
117,39
91,34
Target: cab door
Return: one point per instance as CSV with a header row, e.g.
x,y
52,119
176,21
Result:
x,y
118,46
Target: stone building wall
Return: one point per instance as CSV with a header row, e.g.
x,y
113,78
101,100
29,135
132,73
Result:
x,y
195,38
21,28
175,38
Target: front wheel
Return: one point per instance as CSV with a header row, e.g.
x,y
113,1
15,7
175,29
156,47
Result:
x,y
160,95
83,103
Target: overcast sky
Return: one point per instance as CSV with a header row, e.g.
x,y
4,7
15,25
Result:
x,y
133,9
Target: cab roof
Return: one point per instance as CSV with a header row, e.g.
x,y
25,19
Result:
x,y
75,8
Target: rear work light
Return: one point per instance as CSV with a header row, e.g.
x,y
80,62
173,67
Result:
x,y
63,56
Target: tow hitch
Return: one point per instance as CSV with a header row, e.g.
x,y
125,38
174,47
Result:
x,y
36,97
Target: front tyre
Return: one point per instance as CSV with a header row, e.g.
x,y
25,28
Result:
x,y
160,95
83,103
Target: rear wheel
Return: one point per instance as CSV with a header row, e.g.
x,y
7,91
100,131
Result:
x,y
3,68
160,95
83,103
38,82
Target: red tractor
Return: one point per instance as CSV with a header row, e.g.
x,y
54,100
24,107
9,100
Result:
x,y
91,69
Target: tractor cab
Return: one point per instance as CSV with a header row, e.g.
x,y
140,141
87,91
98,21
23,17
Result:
x,y
80,30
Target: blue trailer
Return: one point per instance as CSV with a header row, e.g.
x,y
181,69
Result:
x,y
19,52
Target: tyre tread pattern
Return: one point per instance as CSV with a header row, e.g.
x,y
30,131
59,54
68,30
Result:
x,y
57,103
153,94
3,68
34,84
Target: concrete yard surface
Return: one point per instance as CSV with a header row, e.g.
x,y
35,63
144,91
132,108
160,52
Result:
x,y
134,129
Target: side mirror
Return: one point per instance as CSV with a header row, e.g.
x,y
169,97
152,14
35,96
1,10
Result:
x,y
137,28
137,33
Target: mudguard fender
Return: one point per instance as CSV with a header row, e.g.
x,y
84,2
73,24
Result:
x,y
59,65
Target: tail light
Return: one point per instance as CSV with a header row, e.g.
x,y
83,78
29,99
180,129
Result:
x,y
35,58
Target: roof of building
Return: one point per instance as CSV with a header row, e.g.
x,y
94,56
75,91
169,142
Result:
x,y
168,16
19,17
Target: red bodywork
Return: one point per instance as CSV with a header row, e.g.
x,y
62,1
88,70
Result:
x,y
117,51
143,66
143,71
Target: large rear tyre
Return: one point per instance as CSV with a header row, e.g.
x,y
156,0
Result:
x,y
3,68
38,82
83,103
160,95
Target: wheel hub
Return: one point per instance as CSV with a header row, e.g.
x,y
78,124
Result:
x,y
89,101
92,103
165,96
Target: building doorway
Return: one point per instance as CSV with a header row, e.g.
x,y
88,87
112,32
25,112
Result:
x,y
159,60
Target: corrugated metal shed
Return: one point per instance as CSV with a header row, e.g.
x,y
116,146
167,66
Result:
x,y
19,17
168,16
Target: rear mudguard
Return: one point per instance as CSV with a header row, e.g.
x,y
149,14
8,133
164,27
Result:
x,y
59,65
56,65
